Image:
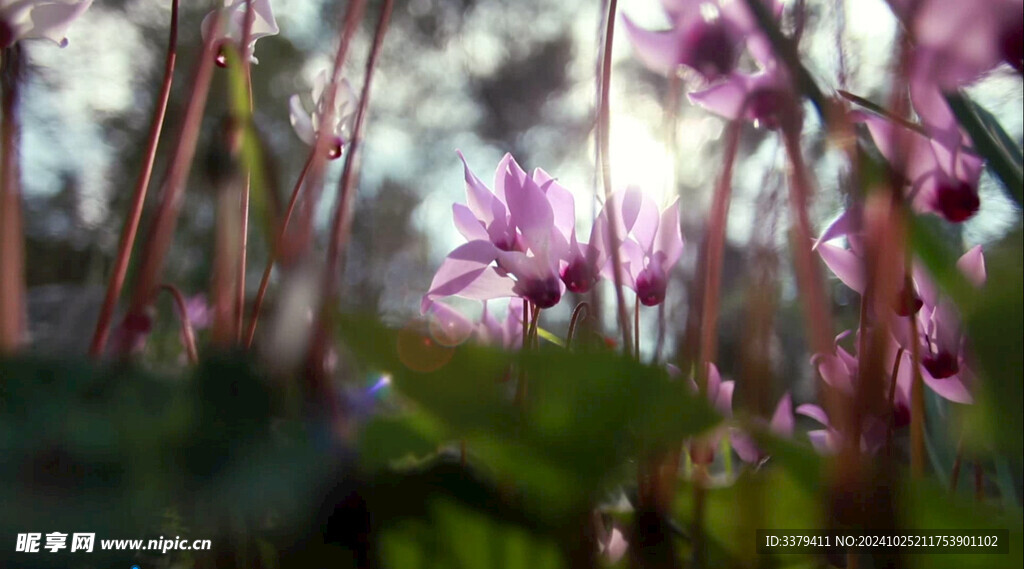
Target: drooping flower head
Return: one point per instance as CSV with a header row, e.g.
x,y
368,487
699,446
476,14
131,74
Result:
x,y
956,41
231,26
308,125
38,19
940,167
651,243
707,36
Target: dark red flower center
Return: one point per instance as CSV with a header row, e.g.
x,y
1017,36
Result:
x,y
1012,44
901,415
6,34
956,200
334,148
907,302
221,59
578,276
941,365
711,49
650,288
544,293
767,106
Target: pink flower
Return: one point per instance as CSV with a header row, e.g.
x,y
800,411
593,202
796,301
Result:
x,y
706,36
517,239
957,41
38,19
231,26
940,168
651,245
308,125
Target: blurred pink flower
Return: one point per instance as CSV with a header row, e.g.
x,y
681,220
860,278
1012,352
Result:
x,y
308,125
231,27
38,19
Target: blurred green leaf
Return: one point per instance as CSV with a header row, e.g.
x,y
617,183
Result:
x,y
585,415
992,142
996,330
929,506
454,536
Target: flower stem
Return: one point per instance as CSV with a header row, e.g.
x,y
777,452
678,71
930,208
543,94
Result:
x,y
714,245
604,137
131,225
581,308
165,219
188,336
12,240
954,475
275,252
891,399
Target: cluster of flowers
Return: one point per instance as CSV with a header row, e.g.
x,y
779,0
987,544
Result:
x,y
521,243
955,43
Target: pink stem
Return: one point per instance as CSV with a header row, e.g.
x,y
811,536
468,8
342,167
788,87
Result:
x,y
604,136
188,335
12,241
162,231
131,226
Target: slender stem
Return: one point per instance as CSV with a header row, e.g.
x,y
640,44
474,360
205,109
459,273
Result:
x,y
817,316
581,311
917,418
131,225
12,240
162,231
715,245
275,252
188,336
954,476
979,481
250,17
341,226
299,241
891,399
636,327
531,313
604,136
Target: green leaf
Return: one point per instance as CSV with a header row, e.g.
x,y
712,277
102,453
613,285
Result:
x,y
992,142
584,417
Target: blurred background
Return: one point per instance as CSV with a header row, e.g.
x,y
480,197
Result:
x,y
483,76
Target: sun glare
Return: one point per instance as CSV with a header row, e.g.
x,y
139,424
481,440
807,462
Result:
x,y
639,158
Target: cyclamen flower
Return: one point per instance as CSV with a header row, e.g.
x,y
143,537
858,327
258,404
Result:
x,y
939,340
940,168
706,36
38,19
957,41
231,26
516,239
308,125
652,243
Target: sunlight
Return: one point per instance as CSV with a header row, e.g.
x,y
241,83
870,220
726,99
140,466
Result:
x,y
639,158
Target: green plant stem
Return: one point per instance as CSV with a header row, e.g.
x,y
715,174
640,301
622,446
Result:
x,y
581,311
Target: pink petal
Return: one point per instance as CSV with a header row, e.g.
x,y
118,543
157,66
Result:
x,y
301,122
466,272
448,326
951,388
745,447
530,212
782,420
726,98
468,225
669,239
847,266
814,412
723,399
659,51
51,21
480,200
972,265
563,205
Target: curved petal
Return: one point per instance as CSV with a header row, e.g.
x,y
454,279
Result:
x,y
563,205
447,325
745,447
468,225
951,388
659,51
847,266
782,420
669,239
972,265
530,212
51,21
726,98
466,272
814,412
301,121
